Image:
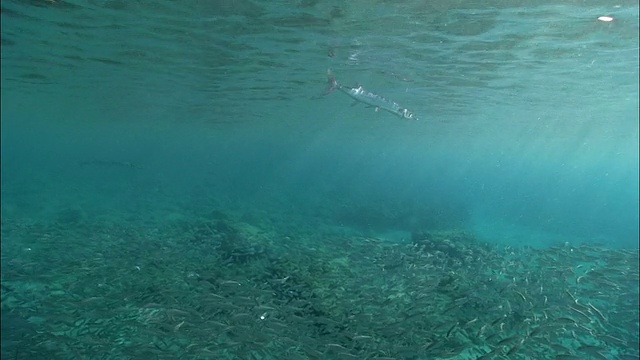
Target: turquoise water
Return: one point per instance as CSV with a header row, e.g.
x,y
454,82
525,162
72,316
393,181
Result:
x,y
194,138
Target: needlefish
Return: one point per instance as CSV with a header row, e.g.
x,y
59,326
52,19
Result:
x,y
364,96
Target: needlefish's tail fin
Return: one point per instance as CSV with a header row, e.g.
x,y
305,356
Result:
x,y
332,84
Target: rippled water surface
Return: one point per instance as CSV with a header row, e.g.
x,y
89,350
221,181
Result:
x,y
242,61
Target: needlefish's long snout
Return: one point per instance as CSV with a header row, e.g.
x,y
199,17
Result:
x,y
368,98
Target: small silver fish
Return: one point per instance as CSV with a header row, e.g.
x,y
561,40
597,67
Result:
x,y
366,97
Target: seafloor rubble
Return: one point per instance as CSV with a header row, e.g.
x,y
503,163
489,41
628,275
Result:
x,y
218,288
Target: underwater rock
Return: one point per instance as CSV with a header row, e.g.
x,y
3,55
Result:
x,y
70,216
15,329
239,242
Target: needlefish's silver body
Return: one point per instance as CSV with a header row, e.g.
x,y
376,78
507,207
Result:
x,y
361,95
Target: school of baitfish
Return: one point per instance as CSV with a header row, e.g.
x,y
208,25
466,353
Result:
x,y
211,290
